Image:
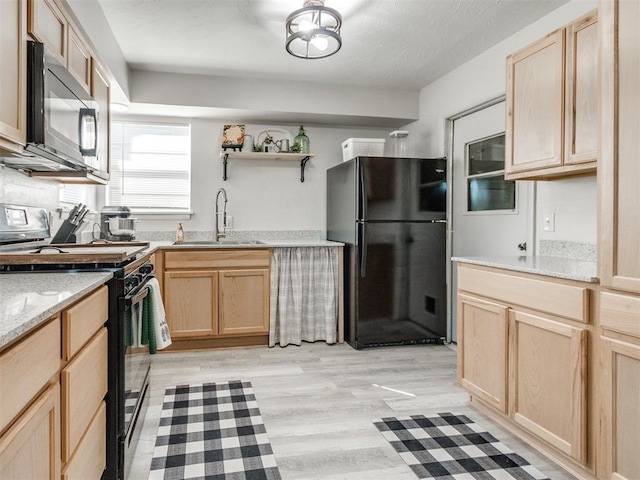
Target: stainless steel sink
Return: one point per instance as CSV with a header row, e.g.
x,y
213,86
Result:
x,y
213,243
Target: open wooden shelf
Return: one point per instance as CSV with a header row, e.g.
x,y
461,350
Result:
x,y
303,158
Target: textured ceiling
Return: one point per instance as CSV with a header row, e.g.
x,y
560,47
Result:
x,y
386,43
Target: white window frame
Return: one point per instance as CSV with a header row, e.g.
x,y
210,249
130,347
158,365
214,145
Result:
x,y
155,213
467,177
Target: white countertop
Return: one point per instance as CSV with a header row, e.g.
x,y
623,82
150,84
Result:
x,y
567,268
28,299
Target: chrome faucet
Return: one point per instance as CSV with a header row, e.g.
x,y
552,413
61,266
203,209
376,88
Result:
x,y
224,215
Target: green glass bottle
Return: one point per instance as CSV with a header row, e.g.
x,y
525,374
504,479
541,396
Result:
x,y
302,141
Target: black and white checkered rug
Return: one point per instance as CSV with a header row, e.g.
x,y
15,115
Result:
x,y
212,431
448,446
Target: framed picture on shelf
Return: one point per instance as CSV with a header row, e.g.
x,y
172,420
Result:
x,y
233,136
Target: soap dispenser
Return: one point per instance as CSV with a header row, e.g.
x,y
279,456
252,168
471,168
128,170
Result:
x,y
179,234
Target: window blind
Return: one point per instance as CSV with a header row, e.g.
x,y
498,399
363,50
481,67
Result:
x,y
150,166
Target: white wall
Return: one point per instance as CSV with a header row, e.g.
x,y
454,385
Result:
x,y
263,194
484,78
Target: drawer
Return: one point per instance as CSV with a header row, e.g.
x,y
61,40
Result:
x,y
544,296
83,320
215,258
620,313
84,385
90,458
27,367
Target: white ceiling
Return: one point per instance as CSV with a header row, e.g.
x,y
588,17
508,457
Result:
x,y
386,43
397,46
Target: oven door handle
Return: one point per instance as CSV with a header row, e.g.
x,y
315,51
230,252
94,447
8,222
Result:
x,y
138,297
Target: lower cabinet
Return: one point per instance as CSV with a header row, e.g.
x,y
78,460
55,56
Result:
x,y
216,294
547,361
482,329
523,355
620,385
30,449
53,383
244,301
191,303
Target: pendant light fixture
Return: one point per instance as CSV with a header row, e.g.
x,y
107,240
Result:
x,y
314,31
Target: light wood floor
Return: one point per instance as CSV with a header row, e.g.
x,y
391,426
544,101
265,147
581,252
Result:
x,y
318,403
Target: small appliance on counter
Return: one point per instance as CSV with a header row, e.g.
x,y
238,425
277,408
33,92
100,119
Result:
x,y
116,224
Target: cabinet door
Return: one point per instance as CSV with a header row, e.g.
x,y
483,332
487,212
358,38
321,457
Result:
x,y
101,92
47,24
191,303
244,301
482,350
619,168
535,105
582,114
547,381
621,408
78,58
84,386
30,449
13,75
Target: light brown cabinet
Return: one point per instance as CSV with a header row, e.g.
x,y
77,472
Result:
x,y
84,384
552,104
191,303
619,170
244,301
78,58
620,386
523,354
216,294
48,24
13,75
619,249
548,372
482,330
30,406
101,93
52,419
30,449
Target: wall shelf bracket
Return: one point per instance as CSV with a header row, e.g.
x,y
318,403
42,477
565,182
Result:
x,y
303,164
225,161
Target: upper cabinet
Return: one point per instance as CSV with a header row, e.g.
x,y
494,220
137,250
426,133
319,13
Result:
x,y
552,104
101,92
47,24
619,168
13,76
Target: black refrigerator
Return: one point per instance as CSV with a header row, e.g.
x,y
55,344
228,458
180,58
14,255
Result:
x,y
391,215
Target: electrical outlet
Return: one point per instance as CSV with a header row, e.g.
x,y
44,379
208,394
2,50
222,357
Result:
x,y
229,222
549,222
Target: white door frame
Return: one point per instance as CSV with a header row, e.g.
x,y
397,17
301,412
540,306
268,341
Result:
x,y
449,138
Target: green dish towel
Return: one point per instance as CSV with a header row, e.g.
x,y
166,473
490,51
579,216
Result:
x,y
148,317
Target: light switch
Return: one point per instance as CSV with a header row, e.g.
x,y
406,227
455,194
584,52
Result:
x,y
549,222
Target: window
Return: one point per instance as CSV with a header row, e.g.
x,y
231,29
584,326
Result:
x,y
150,167
487,190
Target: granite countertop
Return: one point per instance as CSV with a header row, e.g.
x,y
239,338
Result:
x,y
265,244
567,268
28,299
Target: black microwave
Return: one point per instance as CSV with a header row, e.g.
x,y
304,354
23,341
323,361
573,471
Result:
x,y
62,117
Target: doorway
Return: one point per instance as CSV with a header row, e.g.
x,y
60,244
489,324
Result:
x,y
489,216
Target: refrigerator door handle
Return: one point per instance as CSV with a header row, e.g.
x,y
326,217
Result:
x,y
363,194
363,249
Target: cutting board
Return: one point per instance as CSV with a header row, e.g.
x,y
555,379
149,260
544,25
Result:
x,y
73,253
